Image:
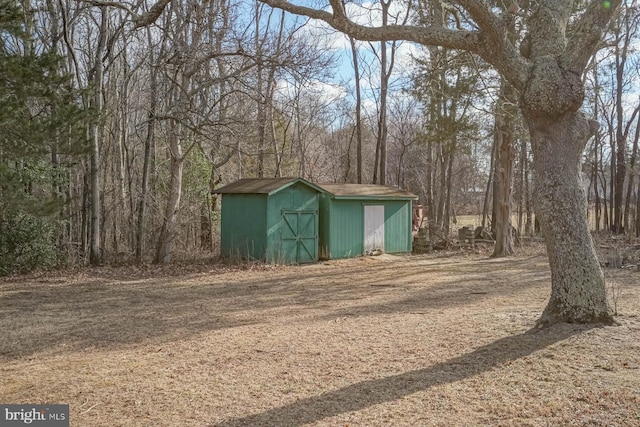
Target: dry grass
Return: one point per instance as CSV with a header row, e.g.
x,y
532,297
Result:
x,y
387,341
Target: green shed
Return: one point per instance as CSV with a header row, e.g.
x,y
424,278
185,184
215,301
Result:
x,y
357,219
274,219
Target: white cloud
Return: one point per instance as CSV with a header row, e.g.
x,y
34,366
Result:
x,y
404,56
325,35
367,13
323,91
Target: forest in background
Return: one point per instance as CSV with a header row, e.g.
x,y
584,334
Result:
x,y
114,135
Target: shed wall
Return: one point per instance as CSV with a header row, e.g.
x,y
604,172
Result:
x,y
324,229
342,230
243,225
300,198
397,226
342,226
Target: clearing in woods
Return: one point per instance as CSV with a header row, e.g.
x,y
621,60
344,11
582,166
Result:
x,y
430,340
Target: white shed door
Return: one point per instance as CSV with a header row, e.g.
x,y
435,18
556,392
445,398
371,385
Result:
x,y
373,228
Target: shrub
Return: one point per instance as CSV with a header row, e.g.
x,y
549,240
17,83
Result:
x,y
27,243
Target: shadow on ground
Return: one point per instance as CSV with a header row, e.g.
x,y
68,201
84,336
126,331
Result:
x,y
52,314
359,396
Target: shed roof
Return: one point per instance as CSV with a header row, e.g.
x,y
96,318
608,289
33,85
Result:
x,y
366,191
262,185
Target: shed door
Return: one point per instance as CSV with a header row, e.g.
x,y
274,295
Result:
x,y
300,236
373,228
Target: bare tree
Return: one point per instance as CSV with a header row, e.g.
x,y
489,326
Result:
x,y
358,109
403,135
545,68
188,42
505,141
624,32
95,256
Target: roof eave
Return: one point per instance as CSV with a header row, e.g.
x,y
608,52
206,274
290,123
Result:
x,y
372,198
295,181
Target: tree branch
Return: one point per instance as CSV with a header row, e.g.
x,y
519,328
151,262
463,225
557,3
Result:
x,y
152,15
490,43
465,40
585,35
487,21
116,4
142,20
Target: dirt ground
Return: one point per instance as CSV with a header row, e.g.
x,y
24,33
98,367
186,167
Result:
x,y
429,340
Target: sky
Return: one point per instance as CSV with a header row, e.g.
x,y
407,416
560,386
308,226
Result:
x,y
343,81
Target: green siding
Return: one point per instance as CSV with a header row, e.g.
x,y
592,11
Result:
x,y
243,226
295,198
296,224
299,237
397,226
342,226
347,228
281,227
324,231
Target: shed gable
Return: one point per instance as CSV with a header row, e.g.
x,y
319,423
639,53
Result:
x,y
274,219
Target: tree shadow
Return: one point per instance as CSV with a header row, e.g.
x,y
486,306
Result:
x,y
365,394
106,309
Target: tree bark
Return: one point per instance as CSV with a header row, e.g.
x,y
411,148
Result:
x,y
550,101
578,291
546,68
383,129
442,184
596,152
505,155
638,210
631,175
167,233
490,185
448,209
358,108
428,185
95,254
148,149
528,227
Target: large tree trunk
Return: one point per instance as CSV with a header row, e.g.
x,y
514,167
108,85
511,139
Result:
x,y
550,102
577,283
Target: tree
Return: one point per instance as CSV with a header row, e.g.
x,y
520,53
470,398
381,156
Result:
x,y
148,144
610,84
545,66
403,132
387,58
624,32
186,38
95,255
504,140
39,124
447,86
358,108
